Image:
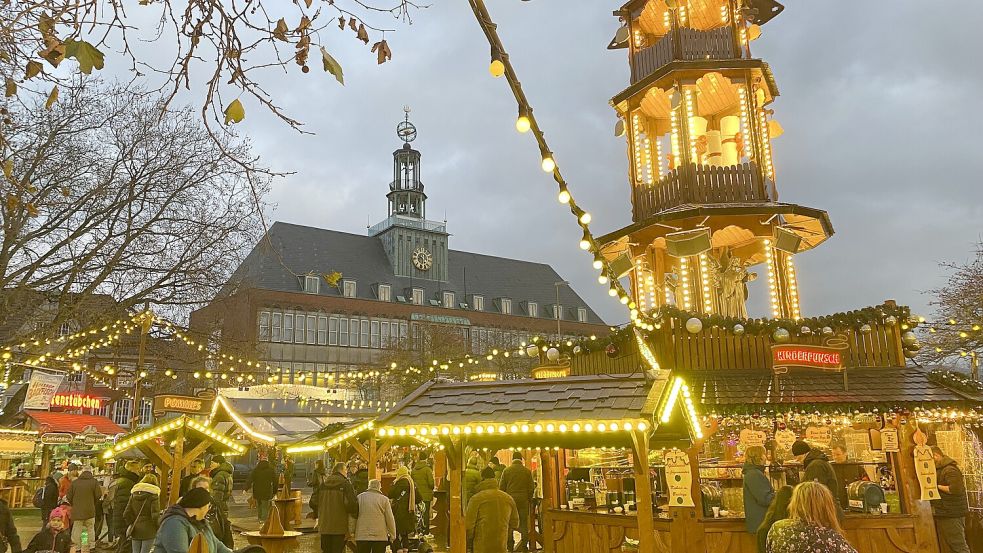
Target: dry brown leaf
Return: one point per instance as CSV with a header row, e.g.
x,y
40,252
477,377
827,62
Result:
x,y
10,87
52,98
353,25
382,52
33,68
280,32
304,24
341,23
363,35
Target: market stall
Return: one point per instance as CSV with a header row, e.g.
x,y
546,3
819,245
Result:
x,y
18,457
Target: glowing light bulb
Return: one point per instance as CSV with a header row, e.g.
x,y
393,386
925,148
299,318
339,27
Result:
x,y
563,196
548,164
523,124
496,67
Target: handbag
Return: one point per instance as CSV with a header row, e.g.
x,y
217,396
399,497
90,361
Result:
x,y
129,529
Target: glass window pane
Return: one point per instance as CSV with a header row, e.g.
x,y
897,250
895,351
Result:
x,y
311,328
333,331
264,326
385,334
344,333
365,334
322,330
375,334
299,329
288,327
277,326
353,339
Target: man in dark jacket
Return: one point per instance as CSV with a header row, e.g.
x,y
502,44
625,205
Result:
x,y
221,474
518,483
951,508
491,516
83,495
263,481
196,469
422,476
336,502
49,498
126,478
8,531
816,467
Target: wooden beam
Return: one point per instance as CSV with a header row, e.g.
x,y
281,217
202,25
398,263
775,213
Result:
x,y
550,500
643,492
165,458
372,456
455,466
174,486
359,448
195,453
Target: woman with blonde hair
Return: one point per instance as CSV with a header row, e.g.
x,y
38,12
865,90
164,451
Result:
x,y
813,525
758,491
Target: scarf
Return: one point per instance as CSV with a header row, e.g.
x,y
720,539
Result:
x,y
412,491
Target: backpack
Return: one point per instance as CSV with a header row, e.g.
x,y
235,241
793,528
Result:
x,y
38,499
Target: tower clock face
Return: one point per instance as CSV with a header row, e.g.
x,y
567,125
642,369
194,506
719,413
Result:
x,y
422,259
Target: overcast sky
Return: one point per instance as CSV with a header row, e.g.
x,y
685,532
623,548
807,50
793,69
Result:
x,y
879,101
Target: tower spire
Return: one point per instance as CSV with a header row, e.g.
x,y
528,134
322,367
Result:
x,y
406,196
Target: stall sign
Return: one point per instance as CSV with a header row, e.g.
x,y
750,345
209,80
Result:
x,y
679,478
889,440
41,390
752,438
56,438
75,401
784,439
821,435
95,439
925,470
786,356
169,403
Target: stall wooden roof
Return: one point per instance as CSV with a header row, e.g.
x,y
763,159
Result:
x,y
886,386
607,397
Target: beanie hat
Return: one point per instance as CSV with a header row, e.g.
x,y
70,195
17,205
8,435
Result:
x,y
517,456
195,498
402,471
487,473
800,447
375,484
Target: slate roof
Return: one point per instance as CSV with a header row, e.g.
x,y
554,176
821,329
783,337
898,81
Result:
x,y
608,397
887,386
305,249
280,407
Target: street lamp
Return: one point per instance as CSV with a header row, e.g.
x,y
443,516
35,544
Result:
x,y
556,306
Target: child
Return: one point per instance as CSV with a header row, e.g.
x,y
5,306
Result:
x,y
51,538
64,512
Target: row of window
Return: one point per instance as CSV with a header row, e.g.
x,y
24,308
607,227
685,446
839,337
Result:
x,y
329,330
383,292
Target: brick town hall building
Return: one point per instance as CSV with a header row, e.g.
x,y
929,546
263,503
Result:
x,y
326,303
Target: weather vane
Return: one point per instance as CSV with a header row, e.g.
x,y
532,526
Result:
x,y
405,130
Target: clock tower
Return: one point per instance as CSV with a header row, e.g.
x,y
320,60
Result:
x,y
416,247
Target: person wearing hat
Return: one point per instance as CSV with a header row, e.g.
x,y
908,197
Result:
x,y
336,502
184,520
816,467
221,473
490,517
375,525
472,477
517,481
403,496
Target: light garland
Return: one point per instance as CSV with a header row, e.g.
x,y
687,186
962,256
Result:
x,y
524,427
674,138
705,283
793,289
765,144
773,293
690,128
684,280
742,92
170,426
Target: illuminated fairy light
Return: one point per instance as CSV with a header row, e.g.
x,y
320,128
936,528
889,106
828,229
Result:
x,y
684,280
724,13
772,280
705,282
691,414
677,386
665,20
690,119
682,16
793,289
637,149
650,281
765,144
647,354
542,427
674,139
745,116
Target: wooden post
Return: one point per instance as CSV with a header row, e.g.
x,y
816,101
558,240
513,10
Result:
x,y
455,466
686,529
643,492
906,478
174,487
372,457
550,499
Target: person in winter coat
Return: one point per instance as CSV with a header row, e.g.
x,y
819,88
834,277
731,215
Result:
x,y
84,493
143,513
758,491
813,524
423,481
126,478
183,521
264,483
221,473
497,466
517,481
951,508
52,537
65,482
63,512
777,511
360,479
472,477
8,532
335,503
49,498
490,517
219,523
375,525
196,469
817,469
403,496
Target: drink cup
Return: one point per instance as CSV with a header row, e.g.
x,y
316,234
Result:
x,y
716,512
884,508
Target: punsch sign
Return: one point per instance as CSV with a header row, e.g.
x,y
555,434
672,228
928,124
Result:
x,y
828,357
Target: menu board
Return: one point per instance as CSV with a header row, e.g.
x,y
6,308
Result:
x,y
889,440
784,439
679,478
819,435
751,438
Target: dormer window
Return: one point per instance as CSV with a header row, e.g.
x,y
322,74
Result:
x,y
582,314
348,288
312,284
505,306
478,303
532,309
417,294
557,311
448,300
385,292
